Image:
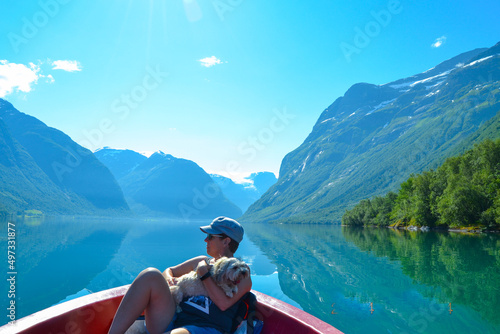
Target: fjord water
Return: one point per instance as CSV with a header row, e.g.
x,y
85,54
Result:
x,y
358,280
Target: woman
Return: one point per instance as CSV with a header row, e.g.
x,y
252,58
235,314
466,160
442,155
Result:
x,y
200,315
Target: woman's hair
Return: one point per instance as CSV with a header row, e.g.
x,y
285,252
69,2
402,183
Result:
x,y
233,245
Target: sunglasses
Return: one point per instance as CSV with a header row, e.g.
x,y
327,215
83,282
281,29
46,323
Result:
x,y
210,236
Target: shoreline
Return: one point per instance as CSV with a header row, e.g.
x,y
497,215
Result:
x,y
471,230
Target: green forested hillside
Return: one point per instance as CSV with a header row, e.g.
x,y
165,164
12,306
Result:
x,y
464,191
488,130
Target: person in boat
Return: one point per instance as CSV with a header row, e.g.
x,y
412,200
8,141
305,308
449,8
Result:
x,y
150,291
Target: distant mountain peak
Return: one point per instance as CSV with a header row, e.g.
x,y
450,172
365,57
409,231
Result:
x,y
161,154
119,161
244,193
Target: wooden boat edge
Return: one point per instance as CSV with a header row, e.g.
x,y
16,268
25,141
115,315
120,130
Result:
x,y
58,310
276,305
88,305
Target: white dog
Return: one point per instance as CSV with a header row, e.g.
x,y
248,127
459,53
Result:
x,y
226,272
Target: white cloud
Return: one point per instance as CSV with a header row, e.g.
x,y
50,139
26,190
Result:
x,y
17,77
67,65
210,61
21,78
438,42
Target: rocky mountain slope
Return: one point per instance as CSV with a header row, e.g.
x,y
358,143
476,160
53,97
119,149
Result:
x,y
371,139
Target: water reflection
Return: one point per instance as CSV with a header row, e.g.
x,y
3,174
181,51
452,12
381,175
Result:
x,y
328,272
52,258
60,258
460,268
360,281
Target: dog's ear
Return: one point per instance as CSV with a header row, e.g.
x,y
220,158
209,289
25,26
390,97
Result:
x,y
220,269
215,269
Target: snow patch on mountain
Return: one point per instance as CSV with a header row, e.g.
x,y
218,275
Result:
x,y
329,119
403,85
430,79
480,60
432,93
304,164
380,106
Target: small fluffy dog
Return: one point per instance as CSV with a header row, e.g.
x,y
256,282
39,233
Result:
x,y
226,272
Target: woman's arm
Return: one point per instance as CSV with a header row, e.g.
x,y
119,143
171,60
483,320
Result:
x,y
177,271
216,294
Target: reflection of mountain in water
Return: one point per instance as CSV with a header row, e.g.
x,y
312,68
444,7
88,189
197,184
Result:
x,y
157,244
335,281
464,269
55,259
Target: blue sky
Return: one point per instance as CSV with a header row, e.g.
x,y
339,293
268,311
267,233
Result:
x,y
233,85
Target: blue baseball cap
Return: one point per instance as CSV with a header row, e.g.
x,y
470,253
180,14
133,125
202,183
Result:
x,y
227,226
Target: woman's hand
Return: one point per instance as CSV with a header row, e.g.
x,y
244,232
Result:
x,y
172,274
202,268
171,280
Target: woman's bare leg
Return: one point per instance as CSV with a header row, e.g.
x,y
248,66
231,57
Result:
x,y
149,293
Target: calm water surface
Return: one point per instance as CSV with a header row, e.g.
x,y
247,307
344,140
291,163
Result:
x,y
359,280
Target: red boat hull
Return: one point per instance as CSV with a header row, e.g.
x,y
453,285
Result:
x,y
94,313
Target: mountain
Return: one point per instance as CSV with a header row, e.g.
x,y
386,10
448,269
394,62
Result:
x,y
119,162
167,186
370,140
42,168
243,195
246,193
262,181
21,180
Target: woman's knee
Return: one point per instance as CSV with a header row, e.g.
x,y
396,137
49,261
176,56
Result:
x,y
152,275
151,271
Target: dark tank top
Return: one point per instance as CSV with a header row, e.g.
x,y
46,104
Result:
x,y
201,311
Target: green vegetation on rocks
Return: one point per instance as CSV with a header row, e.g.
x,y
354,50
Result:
x,y
463,192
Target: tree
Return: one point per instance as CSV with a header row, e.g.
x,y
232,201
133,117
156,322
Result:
x,y
464,191
461,206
